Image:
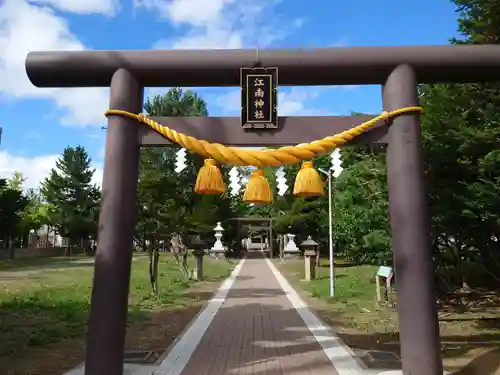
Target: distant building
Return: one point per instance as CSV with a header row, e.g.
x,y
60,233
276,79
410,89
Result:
x,y
41,239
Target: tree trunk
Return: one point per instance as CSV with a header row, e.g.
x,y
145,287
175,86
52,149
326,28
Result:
x,y
185,266
12,251
150,270
282,247
67,250
153,268
156,260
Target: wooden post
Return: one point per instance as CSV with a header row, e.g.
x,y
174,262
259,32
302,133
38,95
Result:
x,y
386,274
409,219
198,264
271,240
12,251
238,246
310,266
281,244
109,303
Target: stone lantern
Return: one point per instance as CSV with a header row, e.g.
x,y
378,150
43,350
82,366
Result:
x,y
291,249
310,248
218,248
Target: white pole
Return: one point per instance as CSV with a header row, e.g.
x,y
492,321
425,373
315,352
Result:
x,y
330,227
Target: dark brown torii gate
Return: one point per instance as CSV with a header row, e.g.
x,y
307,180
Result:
x,y
398,69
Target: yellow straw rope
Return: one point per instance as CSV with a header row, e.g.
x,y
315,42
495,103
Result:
x,y
260,158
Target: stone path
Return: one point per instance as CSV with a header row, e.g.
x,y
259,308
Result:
x,y
257,324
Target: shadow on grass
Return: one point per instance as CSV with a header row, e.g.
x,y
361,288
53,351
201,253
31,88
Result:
x,y
68,265
39,320
459,348
155,330
475,300
49,339
328,277
42,329
338,264
486,364
473,341
28,264
46,334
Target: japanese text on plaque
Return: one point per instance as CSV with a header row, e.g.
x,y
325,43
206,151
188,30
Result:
x,y
259,97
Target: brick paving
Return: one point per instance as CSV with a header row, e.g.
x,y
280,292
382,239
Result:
x,y
257,331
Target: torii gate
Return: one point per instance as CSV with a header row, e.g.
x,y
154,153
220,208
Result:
x,y
398,69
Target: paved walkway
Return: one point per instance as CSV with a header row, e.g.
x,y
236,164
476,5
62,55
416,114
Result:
x,y
257,324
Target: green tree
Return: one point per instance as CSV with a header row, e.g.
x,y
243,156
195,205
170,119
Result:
x,y
360,206
12,205
461,128
166,202
32,214
71,195
478,21
16,182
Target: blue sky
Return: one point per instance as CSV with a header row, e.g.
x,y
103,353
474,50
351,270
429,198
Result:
x,y
39,123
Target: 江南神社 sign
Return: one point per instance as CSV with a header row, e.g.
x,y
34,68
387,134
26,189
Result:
x,y
259,98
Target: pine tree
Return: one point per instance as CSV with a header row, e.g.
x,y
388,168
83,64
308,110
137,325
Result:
x,y
72,195
12,204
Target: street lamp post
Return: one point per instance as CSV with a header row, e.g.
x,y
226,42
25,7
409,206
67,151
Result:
x,y
335,170
330,229
30,242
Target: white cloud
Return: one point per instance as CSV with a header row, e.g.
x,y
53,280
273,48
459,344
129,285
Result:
x,y
299,101
106,7
97,178
217,24
229,102
26,27
194,12
35,168
210,38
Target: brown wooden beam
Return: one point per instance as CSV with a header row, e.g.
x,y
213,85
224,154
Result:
x,y
291,130
251,219
258,227
325,66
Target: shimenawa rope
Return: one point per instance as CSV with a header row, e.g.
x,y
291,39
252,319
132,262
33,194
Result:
x,y
308,182
261,158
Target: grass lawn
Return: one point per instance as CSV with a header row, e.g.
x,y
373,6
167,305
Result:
x,y
470,333
44,305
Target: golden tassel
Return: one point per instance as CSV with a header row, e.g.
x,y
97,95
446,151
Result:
x,y
308,182
258,190
209,180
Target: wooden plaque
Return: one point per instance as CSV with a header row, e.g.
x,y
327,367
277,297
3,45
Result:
x,y
259,98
